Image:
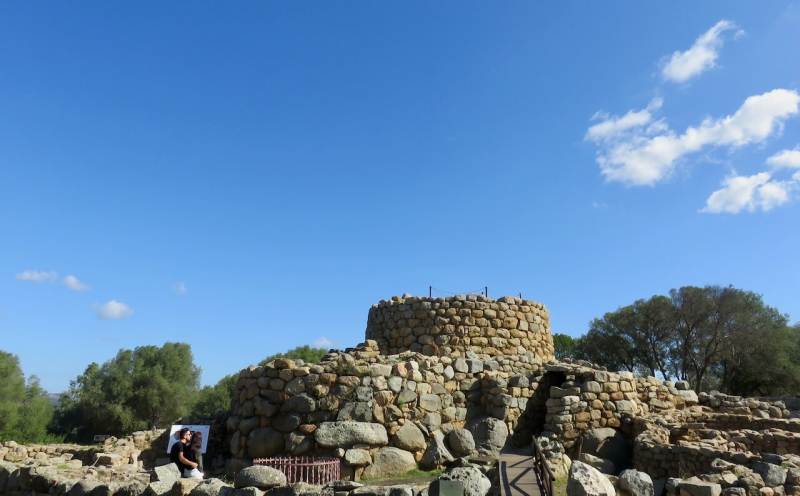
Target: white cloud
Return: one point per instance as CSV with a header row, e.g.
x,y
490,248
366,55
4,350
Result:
x,y
748,193
614,126
683,66
323,343
36,276
600,205
637,155
73,283
113,310
180,288
785,158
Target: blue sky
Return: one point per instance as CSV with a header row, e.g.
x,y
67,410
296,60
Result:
x,y
252,177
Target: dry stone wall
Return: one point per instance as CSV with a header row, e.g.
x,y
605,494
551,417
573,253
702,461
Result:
x,y
455,325
672,431
360,403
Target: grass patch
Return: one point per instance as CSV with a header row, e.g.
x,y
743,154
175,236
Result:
x,y
560,487
411,474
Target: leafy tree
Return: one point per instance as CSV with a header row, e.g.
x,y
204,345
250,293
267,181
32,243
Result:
x,y
25,409
564,345
714,337
717,330
605,345
211,399
635,338
305,353
139,389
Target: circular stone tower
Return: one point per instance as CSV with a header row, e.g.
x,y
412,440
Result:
x,y
454,325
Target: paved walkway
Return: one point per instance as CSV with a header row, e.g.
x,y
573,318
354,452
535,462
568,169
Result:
x,y
517,477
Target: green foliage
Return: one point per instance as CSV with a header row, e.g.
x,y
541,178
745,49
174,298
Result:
x,y
716,338
144,388
211,399
305,353
564,345
344,368
25,409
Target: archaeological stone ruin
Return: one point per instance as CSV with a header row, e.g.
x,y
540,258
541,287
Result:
x,y
442,381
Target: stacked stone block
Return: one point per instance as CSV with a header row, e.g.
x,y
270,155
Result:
x,y
407,401
455,325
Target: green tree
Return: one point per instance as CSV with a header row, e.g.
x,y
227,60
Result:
x,y
305,353
718,330
212,399
25,409
715,337
564,345
144,388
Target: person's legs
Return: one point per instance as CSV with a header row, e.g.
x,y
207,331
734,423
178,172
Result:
x,y
192,473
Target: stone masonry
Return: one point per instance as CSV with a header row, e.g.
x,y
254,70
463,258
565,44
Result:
x,y
454,325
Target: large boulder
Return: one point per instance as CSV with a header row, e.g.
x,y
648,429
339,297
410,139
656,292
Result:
x,y
287,422
700,488
248,491
752,483
409,438
773,475
377,491
601,464
347,434
357,411
437,454
296,489
6,469
167,473
389,461
158,488
585,480
182,487
430,402
461,442
131,489
636,483
299,444
261,477
264,442
84,487
212,487
357,457
43,479
610,444
473,480
490,435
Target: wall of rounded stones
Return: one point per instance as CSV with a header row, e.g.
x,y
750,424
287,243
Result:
x,y
454,325
673,430
291,407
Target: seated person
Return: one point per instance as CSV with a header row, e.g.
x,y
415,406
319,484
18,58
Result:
x,y
194,453
177,452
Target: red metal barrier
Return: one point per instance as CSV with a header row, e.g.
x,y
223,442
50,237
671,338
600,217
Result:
x,y
311,469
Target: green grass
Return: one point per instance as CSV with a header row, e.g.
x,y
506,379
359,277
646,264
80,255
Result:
x,y
411,474
560,487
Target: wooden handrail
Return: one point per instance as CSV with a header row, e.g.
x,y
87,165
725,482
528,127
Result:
x,y
542,469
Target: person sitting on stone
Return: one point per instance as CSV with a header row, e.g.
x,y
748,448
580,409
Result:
x,y
177,452
194,453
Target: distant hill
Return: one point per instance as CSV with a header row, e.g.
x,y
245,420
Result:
x,y
53,398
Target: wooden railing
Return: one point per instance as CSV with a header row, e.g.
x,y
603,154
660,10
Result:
x,y
542,469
